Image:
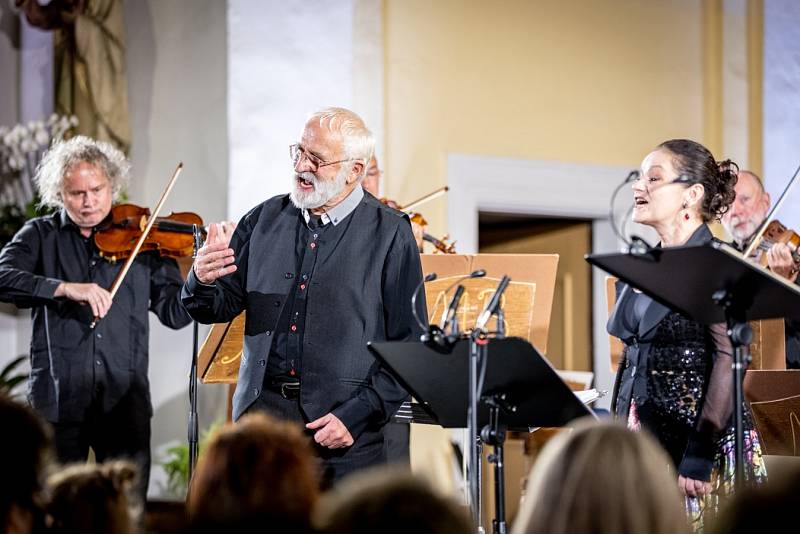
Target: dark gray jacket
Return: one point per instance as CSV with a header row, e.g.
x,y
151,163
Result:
x,y
360,291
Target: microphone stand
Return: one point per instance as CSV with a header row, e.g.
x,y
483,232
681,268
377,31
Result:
x,y
478,349
478,355
193,423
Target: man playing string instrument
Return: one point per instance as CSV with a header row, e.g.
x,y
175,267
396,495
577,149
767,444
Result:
x,y
743,219
90,383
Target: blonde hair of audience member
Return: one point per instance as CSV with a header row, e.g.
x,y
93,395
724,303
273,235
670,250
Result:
x,y
94,499
259,469
601,478
387,502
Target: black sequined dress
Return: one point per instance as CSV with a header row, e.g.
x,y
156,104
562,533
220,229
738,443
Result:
x,y
675,380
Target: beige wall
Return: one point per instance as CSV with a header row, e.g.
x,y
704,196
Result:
x,y
583,81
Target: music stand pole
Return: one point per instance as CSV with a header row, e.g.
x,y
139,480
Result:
x,y
495,434
741,335
193,423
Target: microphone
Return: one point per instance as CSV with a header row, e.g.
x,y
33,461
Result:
x,y
491,308
428,278
453,306
632,176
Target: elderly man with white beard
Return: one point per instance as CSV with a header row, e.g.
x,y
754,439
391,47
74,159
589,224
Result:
x,y
320,272
742,220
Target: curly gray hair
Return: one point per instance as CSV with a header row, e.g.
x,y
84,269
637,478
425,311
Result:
x,y
64,155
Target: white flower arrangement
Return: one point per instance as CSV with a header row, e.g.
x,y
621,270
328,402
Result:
x,y
21,149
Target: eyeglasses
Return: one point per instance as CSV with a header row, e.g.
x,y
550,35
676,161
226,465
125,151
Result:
x,y
297,153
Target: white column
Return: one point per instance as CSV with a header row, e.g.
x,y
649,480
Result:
x,y
286,60
782,103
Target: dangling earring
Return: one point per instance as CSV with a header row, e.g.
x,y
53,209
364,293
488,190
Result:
x,y
685,215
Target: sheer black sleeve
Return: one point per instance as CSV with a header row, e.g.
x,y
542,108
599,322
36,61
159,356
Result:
x,y
716,411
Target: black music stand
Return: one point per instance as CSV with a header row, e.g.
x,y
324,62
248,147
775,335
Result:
x,y
520,390
710,283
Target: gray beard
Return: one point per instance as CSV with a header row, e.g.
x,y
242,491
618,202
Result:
x,y
739,236
324,190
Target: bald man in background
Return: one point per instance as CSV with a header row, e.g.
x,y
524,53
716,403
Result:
x,y
741,221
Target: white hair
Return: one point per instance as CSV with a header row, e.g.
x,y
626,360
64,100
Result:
x,y
64,155
359,143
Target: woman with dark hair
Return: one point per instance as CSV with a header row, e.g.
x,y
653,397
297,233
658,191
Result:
x,y
675,377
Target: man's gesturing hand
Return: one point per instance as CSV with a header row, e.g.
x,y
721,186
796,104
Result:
x,y
92,294
214,259
331,432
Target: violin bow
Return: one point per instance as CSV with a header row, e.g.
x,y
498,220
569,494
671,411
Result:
x,y
430,196
150,222
761,229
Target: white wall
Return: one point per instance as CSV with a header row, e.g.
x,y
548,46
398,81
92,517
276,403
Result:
x,y
26,86
177,70
287,59
782,103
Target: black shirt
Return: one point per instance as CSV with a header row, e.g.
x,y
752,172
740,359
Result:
x,y
286,352
75,368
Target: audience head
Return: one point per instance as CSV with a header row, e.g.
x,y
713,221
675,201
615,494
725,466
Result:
x,y
769,507
681,181
602,478
749,208
259,470
24,452
94,499
389,502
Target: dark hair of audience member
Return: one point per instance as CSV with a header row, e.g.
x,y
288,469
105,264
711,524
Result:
x,y
769,507
93,499
258,471
388,502
25,451
601,478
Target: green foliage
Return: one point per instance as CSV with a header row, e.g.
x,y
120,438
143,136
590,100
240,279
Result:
x,y
12,217
176,464
10,379
177,468
11,220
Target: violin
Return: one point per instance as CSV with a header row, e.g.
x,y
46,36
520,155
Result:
x,y
776,233
171,236
142,236
772,231
441,245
